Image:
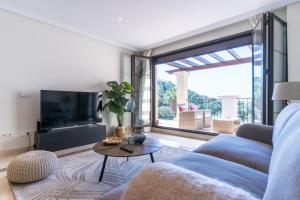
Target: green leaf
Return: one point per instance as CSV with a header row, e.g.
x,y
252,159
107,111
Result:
x,y
120,102
117,97
115,107
119,88
112,83
127,86
111,94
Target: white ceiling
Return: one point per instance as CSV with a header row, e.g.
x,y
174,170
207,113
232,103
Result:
x,y
145,23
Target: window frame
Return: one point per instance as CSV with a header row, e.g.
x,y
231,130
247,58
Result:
x,y
228,42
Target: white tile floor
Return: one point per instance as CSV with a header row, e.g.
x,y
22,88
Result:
x,y
176,141
168,140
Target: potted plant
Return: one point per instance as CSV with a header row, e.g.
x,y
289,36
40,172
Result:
x,y
118,103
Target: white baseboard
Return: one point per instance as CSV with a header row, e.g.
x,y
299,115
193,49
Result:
x,y
13,152
15,144
20,144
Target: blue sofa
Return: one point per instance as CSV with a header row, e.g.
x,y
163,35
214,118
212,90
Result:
x,y
262,160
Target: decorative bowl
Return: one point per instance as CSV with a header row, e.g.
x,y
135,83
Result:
x,y
112,140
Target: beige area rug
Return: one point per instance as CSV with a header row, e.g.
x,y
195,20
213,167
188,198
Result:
x,y
77,175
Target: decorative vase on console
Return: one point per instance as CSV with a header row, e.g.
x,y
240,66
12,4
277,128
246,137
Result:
x,y
118,102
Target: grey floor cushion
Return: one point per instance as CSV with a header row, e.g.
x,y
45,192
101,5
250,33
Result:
x,y
247,152
31,166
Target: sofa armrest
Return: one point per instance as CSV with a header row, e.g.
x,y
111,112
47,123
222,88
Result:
x,y
260,133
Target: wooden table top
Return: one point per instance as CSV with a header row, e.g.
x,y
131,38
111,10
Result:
x,y
150,145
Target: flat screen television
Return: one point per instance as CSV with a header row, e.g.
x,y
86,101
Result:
x,y
66,108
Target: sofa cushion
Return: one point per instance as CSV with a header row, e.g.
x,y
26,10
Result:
x,y
284,173
257,132
282,120
194,107
182,108
164,181
247,152
238,175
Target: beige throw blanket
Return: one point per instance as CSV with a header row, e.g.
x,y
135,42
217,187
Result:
x,y
162,181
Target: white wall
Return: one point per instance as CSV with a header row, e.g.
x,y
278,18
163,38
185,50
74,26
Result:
x,y
293,23
280,13
35,56
205,37
228,30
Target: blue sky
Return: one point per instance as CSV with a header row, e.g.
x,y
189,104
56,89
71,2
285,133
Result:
x,y
230,80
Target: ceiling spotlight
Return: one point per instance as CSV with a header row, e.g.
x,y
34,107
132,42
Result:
x,y
120,19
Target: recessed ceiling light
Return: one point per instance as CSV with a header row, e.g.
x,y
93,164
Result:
x,y
120,19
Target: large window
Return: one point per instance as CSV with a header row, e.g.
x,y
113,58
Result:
x,y
205,89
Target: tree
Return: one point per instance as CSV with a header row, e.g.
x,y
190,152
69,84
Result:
x,y
166,99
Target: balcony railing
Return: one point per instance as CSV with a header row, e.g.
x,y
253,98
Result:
x,y
244,108
215,105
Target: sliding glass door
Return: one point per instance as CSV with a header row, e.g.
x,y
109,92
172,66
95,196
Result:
x,y
230,79
278,61
269,54
201,88
141,81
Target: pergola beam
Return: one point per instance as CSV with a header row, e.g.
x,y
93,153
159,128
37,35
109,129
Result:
x,y
213,65
203,60
177,65
188,62
233,53
218,58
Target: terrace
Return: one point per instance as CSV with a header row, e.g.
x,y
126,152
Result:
x,y
179,106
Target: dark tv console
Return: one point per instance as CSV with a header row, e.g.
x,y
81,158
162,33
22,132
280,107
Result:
x,y
67,137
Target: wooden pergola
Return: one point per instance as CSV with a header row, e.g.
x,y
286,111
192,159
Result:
x,y
223,58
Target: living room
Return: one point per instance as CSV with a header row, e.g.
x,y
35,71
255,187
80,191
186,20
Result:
x,y
127,100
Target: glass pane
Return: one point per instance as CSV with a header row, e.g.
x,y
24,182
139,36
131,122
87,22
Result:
x,y
143,92
278,36
279,59
244,51
204,99
181,63
209,58
279,75
258,74
225,55
195,61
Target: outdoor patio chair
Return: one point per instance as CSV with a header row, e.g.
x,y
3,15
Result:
x,y
192,120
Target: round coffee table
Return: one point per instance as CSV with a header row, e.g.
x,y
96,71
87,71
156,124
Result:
x,y
149,146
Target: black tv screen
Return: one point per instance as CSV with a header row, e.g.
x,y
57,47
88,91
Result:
x,y
65,108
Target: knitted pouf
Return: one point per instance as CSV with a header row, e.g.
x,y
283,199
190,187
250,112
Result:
x,y
31,166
